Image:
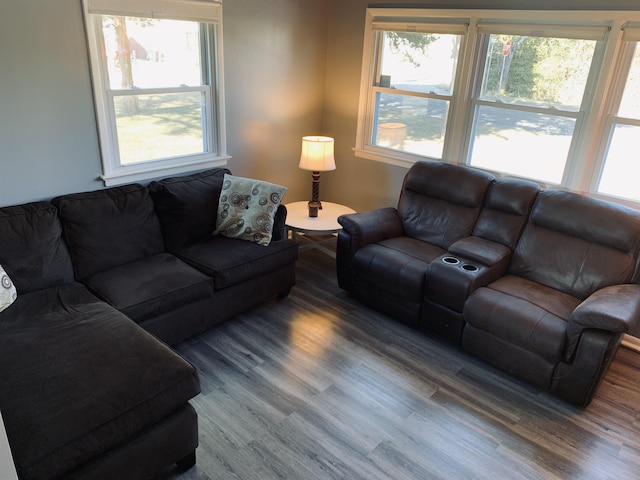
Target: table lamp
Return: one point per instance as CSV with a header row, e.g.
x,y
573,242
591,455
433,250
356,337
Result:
x,y
317,156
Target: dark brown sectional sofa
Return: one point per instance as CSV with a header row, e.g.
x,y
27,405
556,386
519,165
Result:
x,y
89,388
542,284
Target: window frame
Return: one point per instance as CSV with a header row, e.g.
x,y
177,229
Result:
x,y
586,156
213,120
611,117
371,77
579,115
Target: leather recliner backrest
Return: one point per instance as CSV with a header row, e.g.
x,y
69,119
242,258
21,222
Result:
x,y
506,211
577,244
440,202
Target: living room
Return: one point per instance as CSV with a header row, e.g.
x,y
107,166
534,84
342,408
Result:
x,y
291,68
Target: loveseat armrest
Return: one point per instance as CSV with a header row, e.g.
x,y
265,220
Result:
x,y
371,227
279,231
358,230
615,309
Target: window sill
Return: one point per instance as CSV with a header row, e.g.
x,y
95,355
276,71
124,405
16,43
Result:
x,y
391,157
148,171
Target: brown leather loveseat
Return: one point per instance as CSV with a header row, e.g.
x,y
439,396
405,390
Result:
x,y
542,284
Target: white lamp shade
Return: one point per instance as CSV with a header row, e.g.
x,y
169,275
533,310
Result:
x,y
317,154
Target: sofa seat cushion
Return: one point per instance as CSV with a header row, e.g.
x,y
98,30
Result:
x,y
398,265
150,287
523,313
231,261
110,379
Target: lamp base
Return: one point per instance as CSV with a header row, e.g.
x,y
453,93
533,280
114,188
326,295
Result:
x,y
313,208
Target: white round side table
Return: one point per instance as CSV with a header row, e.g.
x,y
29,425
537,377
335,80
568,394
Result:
x,y
304,228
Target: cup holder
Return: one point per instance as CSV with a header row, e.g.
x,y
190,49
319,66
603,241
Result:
x,y
451,260
469,268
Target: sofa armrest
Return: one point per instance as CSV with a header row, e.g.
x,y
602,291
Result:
x,y
373,226
358,230
615,309
279,231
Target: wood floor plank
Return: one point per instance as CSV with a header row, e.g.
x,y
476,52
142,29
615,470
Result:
x,y
319,387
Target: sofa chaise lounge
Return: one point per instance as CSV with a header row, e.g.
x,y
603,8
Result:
x,y
542,284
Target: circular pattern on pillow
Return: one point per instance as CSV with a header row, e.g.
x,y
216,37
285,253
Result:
x,y
245,201
8,293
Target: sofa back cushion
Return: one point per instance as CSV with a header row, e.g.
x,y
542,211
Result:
x,y
108,228
187,206
440,202
577,244
32,250
506,211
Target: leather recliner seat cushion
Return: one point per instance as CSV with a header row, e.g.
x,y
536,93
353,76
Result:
x,y
523,313
100,382
397,265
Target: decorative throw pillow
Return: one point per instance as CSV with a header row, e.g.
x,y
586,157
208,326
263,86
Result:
x,y
247,208
8,292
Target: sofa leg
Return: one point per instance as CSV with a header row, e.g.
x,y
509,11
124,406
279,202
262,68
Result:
x,y
284,294
187,462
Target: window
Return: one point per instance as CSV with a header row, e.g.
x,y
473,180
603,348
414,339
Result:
x,y
413,90
529,94
158,86
621,166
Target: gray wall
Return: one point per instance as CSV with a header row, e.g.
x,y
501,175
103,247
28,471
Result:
x,y
275,69
48,138
292,68
274,72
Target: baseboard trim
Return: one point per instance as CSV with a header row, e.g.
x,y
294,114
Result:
x,y
632,343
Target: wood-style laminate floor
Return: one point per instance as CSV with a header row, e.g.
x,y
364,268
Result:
x,y
317,386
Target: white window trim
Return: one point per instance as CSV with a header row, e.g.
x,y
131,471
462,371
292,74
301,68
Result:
x,y
586,157
215,137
